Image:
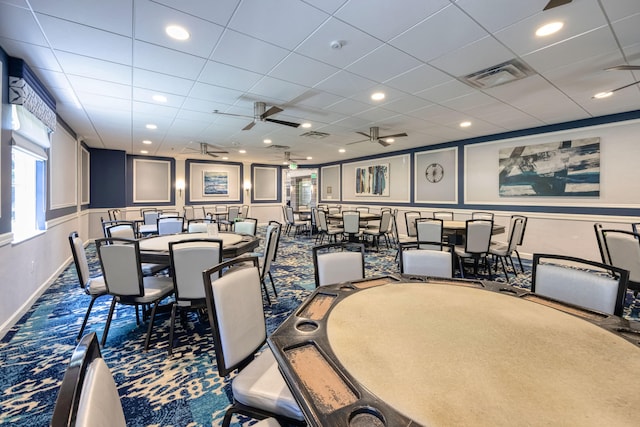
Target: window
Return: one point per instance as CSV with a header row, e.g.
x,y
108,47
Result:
x,y
27,194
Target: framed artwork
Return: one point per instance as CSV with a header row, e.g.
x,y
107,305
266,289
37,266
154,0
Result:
x,y
436,176
215,183
556,169
372,180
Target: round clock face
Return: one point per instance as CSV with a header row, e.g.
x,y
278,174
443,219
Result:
x,y
434,172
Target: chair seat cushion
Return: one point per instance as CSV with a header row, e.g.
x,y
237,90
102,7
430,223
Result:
x,y
261,385
97,286
499,249
156,288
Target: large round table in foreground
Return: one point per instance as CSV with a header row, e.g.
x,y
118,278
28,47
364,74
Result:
x,y
456,353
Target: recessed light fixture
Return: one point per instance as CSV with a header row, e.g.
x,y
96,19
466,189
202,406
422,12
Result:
x,y
151,126
144,151
159,98
465,124
267,141
390,140
306,125
225,158
242,151
549,29
601,95
285,163
342,150
147,142
378,96
177,32
309,158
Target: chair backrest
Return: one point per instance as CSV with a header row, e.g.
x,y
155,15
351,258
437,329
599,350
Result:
x,y
88,395
590,286
322,220
189,213
246,226
79,258
233,213
362,209
602,247
120,261
623,249
236,314
478,236
114,214
334,209
438,262
121,229
199,225
338,262
635,227
385,221
288,214
170,224
351,221
244,211
516,231
189,258
524,227
482,215
410,218
443,215
429,230
270,245
150,217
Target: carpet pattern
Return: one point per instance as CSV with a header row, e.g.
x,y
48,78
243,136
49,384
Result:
x,y
155,390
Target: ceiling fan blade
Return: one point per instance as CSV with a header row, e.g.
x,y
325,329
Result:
x,y
282,122
623,68
626,86
211,154
217,152
356,142
556,3
230,114
397,135
270,112
364,134
249,126
383,143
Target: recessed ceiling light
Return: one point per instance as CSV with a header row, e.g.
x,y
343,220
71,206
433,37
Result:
x,y
147,142
378,96
309,158
267,141
306,125
159,98
225,158
342,150
602,95
390,140
549,29
144,151
465,124
285,163
177,32
151,126
242,151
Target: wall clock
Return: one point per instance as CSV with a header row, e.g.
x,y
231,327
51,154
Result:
x,y
434,172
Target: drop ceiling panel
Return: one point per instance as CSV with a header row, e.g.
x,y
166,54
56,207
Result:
x,y
215,93
278,89
619,9
302,70
246,52
19,24
300,21
627,30
34,55
460,30
419,78
224,75
476,56
449,90
345,84
405,104
498,14
383,64
219,11
154,58
87,85
114,15
95,68
164,84
384,19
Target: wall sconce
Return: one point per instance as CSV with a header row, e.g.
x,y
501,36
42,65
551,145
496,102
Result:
x,y
180,186
247,187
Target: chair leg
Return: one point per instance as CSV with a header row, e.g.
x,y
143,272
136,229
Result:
x,y
519,260
106,327
273,284
151,319
504,269
86,317
174,307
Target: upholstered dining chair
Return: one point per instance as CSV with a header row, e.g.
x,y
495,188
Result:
x,y
381,230
297,225
126,230
122,271
279,225
246,226
338,262
429,230
410,218
578,281
425,258
476,246
326,229
443,215
270,246
92,286
236,315
188,212
189,258
351,226
482,215
233,212
170,224
200,225
602,246
623,251
502,251
88,395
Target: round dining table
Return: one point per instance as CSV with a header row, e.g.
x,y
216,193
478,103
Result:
x,y
440,352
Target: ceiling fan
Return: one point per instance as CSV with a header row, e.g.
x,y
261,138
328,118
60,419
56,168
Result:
x,y
374,136
556,3
207,149
261,114
624,68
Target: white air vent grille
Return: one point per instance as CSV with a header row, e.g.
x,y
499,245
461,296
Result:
x,y
497,75
315,134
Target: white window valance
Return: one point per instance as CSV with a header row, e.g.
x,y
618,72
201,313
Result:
x,y
29,133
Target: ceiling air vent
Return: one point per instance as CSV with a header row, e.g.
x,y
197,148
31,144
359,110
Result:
x,y
497,75
315,135
278,147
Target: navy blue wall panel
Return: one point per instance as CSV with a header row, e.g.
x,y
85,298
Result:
x,y
108,173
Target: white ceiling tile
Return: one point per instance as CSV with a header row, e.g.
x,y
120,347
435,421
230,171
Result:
x,y
376,114
627,30
345,84
161,83
405,104
349,107
218,11
355,44
88,85
318,99
114,15
383,64
246,52
19,24
497,14
159,115
203,106
277,89
386,19
146,95
300,21
169,61
460,30
84,40
389,92
578,17
36,56
215,93
227,76
572,50
449,90
329,6
302,70
151,19
470,101
418,79
619,9
90,67
473,57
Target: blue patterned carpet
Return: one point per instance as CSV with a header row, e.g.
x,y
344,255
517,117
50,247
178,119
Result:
x,y
156,390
